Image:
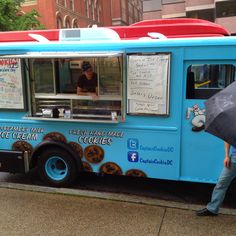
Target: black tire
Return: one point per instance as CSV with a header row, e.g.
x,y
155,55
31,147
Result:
x,y
57,167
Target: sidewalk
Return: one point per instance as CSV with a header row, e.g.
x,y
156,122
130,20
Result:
x,y
33,210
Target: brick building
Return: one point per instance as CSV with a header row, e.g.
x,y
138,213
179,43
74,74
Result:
x,y
126,12
222,12
83,13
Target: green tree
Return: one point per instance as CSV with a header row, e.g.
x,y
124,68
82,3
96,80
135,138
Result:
x,y
12,19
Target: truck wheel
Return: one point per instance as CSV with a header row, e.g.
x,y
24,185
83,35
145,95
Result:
x,y
57,168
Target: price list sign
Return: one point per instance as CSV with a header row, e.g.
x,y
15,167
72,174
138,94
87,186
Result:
x,y
11,90
148,84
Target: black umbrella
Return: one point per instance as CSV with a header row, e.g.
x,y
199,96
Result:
x,y
221,114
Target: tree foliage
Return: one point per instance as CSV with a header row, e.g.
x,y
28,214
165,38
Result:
x,y
11,17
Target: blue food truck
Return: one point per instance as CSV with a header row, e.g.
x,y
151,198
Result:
x,y
146,120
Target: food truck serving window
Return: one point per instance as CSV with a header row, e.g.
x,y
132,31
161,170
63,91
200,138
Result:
x,y
53,84
148,84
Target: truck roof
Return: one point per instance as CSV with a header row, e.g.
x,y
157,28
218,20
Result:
x,y
170,28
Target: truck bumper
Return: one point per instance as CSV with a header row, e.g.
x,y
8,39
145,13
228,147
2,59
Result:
x,y
14,161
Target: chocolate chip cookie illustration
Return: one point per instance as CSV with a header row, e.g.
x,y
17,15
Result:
x,y
135,173
110,168
87,167
94,154
55,136
22,146
77,148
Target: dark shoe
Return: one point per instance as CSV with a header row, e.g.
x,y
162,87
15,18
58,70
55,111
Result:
x,y
205,212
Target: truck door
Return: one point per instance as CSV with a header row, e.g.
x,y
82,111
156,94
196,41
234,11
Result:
x,y
202,153
153,120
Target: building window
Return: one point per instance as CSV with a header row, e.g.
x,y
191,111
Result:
x,y
59,22
131,13
171,1
93,11
61,2
71,4
75,23
151,6
226,9
140,16
207,14
99,14
136,17
67,24
123,10
87,8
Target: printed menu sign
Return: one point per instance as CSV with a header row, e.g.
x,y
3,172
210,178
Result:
x,y
11,90
148,81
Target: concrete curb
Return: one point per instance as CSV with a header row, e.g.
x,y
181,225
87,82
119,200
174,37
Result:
x,y
110,196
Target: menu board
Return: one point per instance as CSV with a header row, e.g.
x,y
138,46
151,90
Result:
x,y
148,84
11,90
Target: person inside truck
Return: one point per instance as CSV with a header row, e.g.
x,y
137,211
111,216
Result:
x,y
88,82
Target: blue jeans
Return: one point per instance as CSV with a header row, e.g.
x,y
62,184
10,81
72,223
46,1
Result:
x,y
218,194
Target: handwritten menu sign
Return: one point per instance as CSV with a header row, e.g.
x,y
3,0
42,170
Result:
x,y
11,90
148,81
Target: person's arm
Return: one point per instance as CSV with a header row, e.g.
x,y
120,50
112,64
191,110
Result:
x,y
227,156
81,92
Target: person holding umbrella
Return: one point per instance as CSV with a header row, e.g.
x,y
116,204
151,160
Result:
x,y
227,175
220,121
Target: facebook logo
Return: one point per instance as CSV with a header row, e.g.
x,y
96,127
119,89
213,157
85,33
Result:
x,y
132,143
133,156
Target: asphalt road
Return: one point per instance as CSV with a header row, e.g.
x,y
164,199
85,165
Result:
x,y
184,192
